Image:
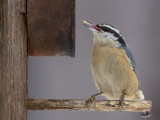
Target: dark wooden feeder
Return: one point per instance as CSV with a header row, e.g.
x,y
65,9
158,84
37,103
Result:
x,y
51,27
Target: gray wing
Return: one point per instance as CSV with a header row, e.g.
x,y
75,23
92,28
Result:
x,y
130,56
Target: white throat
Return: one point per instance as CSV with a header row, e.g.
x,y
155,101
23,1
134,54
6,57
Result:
x,y
106,38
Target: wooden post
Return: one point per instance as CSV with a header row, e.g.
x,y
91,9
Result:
x,y
13,60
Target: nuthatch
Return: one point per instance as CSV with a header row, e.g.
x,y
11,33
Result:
x,y
113,67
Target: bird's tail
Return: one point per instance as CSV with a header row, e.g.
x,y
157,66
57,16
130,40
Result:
x,y
145,114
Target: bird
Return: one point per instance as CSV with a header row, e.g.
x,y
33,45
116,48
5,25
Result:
x,y
113,66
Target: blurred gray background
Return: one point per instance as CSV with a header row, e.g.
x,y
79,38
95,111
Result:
x,y
67,78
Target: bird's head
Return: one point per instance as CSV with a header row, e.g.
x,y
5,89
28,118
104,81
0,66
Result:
x,y
105,33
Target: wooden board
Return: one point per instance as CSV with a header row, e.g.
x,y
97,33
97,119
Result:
x,y
51,27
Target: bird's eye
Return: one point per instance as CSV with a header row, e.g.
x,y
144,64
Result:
x,y
97,25
101,27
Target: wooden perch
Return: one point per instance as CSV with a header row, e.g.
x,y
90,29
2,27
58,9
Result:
x,y
100,105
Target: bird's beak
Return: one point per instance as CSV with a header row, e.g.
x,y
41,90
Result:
x,y
91,26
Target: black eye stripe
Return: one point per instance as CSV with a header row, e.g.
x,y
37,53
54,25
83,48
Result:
x,y
106,29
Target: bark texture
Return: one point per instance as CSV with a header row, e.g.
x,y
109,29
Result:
x,y
13,60
101,105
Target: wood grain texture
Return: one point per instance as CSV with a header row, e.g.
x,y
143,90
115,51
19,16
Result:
x,y
13,60
73,104
51,27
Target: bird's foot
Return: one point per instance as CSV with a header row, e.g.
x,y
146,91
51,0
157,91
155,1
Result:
x,y
120,104
92,98
108,103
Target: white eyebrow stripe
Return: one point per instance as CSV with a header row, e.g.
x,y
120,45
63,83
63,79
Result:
x,y
110,36
114,29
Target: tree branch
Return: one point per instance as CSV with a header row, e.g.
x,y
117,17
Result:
x,y
100,105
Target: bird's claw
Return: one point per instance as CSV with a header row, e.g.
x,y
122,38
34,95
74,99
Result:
x,y
120,105
108,103
91,99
